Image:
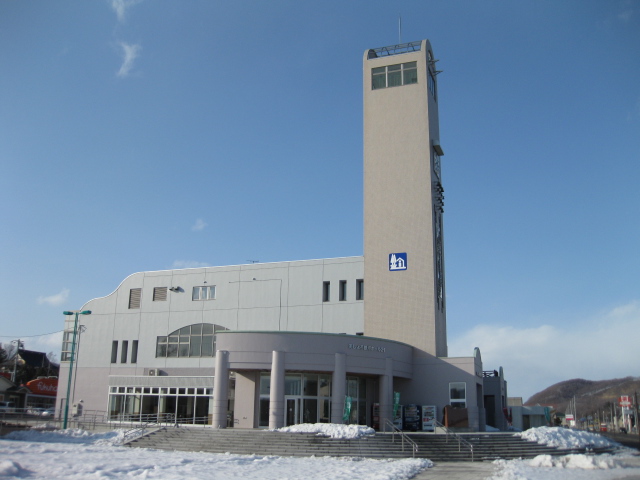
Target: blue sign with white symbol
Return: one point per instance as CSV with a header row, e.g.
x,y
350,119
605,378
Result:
x,y
397,261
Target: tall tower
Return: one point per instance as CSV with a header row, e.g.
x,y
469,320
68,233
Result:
x,y
403,198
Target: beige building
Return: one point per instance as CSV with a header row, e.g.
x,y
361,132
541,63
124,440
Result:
x,y
269,345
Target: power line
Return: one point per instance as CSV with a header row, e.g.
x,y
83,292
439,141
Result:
x,y
30,336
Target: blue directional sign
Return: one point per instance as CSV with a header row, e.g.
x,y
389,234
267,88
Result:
x,y
397,261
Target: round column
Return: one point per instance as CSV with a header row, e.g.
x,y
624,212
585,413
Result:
x,y
386,394
220,390
276,397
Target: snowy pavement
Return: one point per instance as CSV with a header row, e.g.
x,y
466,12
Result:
x,y
76,454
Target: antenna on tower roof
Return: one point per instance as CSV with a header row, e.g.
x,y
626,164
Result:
x,y
399,29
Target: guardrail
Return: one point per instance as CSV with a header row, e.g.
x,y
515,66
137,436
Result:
x,y
394,430
461,440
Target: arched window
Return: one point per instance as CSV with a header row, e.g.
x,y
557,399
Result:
x,y
197,340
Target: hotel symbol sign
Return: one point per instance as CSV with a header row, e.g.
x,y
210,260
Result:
x,y
397,261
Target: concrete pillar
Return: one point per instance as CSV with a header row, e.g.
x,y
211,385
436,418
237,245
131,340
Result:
x,y
220,390
338,385
276,397
386,394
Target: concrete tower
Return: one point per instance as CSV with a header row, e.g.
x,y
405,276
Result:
x,y
403,198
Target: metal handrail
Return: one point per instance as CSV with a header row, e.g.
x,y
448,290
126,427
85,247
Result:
x,y
394,429
458,437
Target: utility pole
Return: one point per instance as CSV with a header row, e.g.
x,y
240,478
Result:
x,y
15,359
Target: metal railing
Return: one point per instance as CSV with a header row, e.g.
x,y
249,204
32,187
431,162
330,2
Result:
x,y
461,440
394,430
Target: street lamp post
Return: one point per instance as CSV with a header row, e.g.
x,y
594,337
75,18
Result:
x,y
73,354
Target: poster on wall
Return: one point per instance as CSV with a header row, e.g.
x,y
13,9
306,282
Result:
x,y
428,418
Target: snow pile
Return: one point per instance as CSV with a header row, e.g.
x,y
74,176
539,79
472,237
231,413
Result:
x,y
70,435
567,467
78,455
585,462
330,430
566,438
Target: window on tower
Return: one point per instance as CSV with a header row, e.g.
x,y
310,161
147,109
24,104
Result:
x,y
394,75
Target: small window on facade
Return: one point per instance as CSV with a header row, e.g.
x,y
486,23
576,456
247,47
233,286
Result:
x,y
125,350
343,290
379,78
134,297
204,293
360,289
458,394
326,290
160,294
432,83
134,352
114,351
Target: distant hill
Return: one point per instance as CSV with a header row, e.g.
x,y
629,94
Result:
x,y
591,396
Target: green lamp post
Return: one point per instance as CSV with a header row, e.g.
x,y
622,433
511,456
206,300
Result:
x,y
73,354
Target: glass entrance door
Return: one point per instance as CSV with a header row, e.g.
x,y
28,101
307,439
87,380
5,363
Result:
x,y
292,416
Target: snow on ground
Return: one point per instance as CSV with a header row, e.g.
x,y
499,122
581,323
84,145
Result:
x,y
330,430
566,438
568,467
75,454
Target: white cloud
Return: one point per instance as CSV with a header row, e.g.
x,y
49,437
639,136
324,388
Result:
x,y
535,358
199,225
55,300
188,264
121,7
130,53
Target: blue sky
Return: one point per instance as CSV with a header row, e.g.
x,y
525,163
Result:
x,y
149,135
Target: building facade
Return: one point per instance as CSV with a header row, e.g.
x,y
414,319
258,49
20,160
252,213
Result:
x,y
269,345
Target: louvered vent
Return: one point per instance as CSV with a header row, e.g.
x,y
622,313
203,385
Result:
x,y
160,294
134,297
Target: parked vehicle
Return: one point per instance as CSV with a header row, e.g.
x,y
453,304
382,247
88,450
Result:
x,y
7,407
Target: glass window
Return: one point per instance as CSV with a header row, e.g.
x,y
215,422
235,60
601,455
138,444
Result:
x,y
292,384
432,83
265,384
409,73
197,340
394,75
343,290
326,291
379,78
114,351
324,386
360,289
310,385
161,350
458,394
204,293
134,352
207,345
125,349
196,343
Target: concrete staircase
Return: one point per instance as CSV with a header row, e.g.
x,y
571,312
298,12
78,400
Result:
x,y
261,442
